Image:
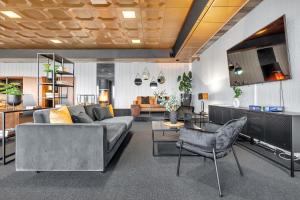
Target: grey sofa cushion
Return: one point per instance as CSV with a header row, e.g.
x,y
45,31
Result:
x,y
114,132
41,116
89,110
81,117
102,113
75,110
127,120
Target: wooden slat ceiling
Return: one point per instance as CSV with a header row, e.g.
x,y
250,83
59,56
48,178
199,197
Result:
x,y
81,24
216,19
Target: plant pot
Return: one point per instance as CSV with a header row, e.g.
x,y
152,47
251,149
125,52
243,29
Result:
x,y
186,99
236,102
14,100
173,117
49,76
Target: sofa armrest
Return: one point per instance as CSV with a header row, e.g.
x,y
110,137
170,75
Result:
x,y
60,147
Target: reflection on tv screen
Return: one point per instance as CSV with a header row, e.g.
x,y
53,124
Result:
x,y
263,57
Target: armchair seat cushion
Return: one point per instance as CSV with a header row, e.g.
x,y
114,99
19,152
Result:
x,y
203,140
203,151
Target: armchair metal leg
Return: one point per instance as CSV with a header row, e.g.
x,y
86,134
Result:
x,y
237,162
215,161
179,158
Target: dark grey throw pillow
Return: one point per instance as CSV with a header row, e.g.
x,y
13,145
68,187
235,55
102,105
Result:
x,y
81,117
89,110
145,100
102,113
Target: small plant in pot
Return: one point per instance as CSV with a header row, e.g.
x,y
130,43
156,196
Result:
x,y
172,105
13,92
185,86
48,70
237,93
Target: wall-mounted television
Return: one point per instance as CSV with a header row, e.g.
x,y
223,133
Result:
x,y
262,57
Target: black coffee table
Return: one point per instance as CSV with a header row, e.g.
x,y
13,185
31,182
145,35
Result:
x,y
164,140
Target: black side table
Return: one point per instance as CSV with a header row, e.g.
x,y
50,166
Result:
x,y
11,132
203,118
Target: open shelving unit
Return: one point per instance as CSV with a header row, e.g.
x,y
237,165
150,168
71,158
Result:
x,y
55,85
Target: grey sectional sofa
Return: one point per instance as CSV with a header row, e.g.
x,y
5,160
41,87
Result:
x,y
41,146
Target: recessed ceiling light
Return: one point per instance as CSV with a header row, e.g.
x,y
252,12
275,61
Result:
x,y
261,31
136,41
56,41
100,2
10,14
128,14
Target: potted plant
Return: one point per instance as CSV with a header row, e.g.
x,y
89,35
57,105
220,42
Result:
x,y
13,92
237,93
48,70
172,105
185,86
159,95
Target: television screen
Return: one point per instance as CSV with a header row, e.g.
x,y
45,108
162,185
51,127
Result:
x,y
263,57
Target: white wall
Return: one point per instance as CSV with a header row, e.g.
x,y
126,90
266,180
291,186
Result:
x,y
125,89
211,72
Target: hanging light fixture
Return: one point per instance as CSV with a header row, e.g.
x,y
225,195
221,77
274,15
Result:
x,y
146,74
153,84
138,81
161,79
238,70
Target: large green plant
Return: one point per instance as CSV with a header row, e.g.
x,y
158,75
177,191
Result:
x,y
237,92
10,89
185,82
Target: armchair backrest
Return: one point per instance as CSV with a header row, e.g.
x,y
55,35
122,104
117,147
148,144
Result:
x,y
228,133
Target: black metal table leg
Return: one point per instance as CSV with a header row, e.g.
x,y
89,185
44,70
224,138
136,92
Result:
x,y
292,164
3,140
152,143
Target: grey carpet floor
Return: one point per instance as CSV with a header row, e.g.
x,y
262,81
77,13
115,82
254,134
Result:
x,y
135,174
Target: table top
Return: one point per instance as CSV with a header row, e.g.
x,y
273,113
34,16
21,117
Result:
x,y
160,126
10,110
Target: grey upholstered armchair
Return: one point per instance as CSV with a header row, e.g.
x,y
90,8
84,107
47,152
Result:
x,y
212,142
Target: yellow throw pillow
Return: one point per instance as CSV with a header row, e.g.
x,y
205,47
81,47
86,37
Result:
x,y
60,116
111,110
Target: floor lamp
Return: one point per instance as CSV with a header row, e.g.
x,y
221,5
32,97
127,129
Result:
x,y
202,97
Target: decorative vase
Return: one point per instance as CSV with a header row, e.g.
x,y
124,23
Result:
x,y
173,117
236,102
186,99
49,76
14,100
159,100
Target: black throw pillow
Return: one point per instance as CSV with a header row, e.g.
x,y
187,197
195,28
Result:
x,y
89,110
81,117
145,100
102,113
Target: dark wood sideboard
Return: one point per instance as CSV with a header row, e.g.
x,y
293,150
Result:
x,y
279,129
